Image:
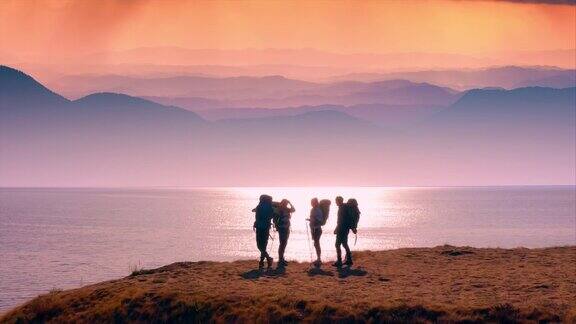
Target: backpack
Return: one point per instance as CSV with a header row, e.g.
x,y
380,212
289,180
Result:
x,y
325,206
353,213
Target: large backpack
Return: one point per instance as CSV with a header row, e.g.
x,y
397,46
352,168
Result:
x,y
353,213
325,206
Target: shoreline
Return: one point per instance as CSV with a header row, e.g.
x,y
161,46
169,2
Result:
x,y
443,283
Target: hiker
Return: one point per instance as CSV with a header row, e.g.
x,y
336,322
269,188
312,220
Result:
x,y
348,216
316,219
282,223
264,214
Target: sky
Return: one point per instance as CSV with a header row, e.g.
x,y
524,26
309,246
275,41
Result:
x,y
56,28
108,44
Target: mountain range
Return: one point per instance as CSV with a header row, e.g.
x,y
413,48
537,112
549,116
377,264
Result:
x,y
200,92
525,135
387,116
506,77
203,92
171,55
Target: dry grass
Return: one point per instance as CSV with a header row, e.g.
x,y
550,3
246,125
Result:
x,y
442,284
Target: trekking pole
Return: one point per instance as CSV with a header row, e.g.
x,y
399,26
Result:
x,y
308,237
355,238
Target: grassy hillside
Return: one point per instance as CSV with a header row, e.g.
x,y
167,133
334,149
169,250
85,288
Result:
x,y
419,285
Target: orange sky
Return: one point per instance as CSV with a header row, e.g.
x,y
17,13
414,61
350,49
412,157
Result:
x,y
62,27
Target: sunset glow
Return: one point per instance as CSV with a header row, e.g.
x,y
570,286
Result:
x,y
66,28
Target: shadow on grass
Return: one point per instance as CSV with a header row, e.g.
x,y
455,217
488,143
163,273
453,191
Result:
x,y
314,271
455,251
345,272
270,273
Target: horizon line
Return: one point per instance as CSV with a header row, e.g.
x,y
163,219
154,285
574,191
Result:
x,y
288,186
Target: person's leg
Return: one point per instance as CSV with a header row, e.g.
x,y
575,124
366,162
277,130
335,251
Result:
x,y
262,236
338,250
318,234
281,244
261,246
318,249
265,236
347,249
283,234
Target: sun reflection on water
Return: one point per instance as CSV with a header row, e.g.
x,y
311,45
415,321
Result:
x,y
378,203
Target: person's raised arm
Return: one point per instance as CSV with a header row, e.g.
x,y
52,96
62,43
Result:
x,y
290,207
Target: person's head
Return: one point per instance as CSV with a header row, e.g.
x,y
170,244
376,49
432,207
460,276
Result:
x,y
265,199
284,203
314,202
339,201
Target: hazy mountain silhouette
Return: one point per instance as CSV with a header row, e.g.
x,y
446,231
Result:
x,y
305,57
312,57
61,78
505,77
134,116
190,103
189,87
489,104
28,106
388,116
532,102
489,136
120,105
392,92
305,64
18,88
230,88
525,115
389,92
556,81
320,123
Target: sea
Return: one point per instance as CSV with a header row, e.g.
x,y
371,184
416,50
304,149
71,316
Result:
x,y
61,238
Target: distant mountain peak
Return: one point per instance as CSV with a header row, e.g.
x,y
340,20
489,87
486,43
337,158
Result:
x,y
6,71
19,88
274,77
131,107
539,100
113,98
327,113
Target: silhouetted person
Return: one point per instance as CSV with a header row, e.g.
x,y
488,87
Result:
x,y
316,220
348,215
264,214
341,231
283,227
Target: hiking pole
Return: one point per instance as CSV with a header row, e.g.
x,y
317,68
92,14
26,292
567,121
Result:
x,y
308,237
355,238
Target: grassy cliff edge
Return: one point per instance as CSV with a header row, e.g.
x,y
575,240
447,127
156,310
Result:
x,y
446,284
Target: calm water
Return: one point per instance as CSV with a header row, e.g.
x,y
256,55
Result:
x,y
62,238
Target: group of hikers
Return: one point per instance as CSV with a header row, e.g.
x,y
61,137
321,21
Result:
x,y
269,212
